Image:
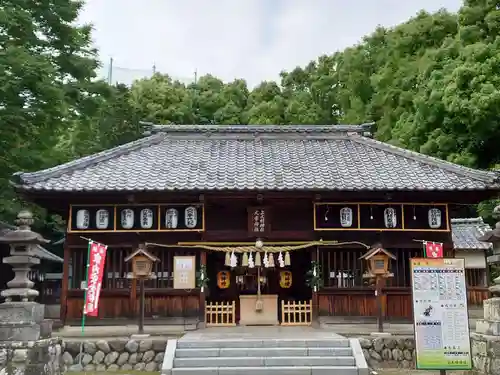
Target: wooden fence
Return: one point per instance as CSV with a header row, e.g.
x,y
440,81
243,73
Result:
x,y
296,313
220,314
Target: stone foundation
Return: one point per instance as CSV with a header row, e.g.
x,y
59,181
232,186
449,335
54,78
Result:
x,y
51,356
41,357
486,353
389,351
113,355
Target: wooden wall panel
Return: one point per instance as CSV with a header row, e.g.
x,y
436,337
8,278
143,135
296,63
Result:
x,y
345,302
476,295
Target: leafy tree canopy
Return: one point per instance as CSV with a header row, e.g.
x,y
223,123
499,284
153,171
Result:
x,y
431,84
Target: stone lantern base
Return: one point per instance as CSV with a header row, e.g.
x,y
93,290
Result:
x,y
23,321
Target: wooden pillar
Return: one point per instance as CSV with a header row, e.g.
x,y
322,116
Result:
x,y
315,299
203,262
65,286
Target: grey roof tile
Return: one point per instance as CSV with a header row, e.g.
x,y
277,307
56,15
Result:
x,y
465,234
204,158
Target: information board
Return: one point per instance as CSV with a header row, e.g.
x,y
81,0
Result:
x,y
184,272
442,339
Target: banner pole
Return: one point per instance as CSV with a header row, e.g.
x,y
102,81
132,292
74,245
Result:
x,y
85,296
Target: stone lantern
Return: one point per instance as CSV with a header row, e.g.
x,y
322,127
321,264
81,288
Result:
x,y
20,317
486,339
23,243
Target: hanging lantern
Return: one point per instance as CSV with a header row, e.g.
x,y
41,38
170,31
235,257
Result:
x,y
244,260
271,260
346,217
434,218
251,263
227,261
287,259
82,219
390,218
102,219
285,279
258,261
223,279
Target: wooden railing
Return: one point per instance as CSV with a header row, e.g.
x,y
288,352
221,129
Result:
x,y
220,314
296,313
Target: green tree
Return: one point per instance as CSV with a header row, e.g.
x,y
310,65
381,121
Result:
x,y
46,67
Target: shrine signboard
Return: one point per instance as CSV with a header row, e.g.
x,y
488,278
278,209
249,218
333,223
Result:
x,y
184,272
441,322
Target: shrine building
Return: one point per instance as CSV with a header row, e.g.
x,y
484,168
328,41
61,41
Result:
x,y
257,224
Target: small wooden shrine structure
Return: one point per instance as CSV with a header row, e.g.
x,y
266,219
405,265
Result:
x,y
252,221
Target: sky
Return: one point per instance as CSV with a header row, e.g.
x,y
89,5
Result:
x,y
250,39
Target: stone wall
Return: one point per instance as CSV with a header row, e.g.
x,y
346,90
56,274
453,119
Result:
x,y
41,357
389,351
486,353
119,354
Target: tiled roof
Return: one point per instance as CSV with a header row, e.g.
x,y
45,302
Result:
x,y
267,157
465,233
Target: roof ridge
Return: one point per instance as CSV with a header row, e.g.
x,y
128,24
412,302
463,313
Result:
x,y
86,161
467,220
150,128
482,175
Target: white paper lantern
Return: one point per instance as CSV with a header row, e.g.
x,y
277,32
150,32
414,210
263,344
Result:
x,y
346,217
190,217
102,219
434,218
82,219
390,218
127,218
146,217
171,218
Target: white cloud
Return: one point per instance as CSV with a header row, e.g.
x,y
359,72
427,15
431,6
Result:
x,y
251,39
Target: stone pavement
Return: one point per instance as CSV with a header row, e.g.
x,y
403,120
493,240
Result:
x,y
353,327
259,333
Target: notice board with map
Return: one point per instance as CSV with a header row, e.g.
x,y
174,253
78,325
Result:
x,y
441,321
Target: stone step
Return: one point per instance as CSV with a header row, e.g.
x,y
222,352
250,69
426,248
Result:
x,y
261,352
266,343
263,361
281,370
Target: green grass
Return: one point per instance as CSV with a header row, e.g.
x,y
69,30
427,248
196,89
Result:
x,y
123,372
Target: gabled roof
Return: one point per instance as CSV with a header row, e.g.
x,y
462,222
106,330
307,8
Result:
x,y
465,234
260,157
376,250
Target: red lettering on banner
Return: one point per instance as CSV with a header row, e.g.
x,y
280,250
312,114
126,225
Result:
x,y
97,259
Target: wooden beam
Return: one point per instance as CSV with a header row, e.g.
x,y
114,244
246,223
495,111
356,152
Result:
x,y
65,284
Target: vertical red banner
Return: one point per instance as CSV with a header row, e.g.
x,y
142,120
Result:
x,y
433,250
97,259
